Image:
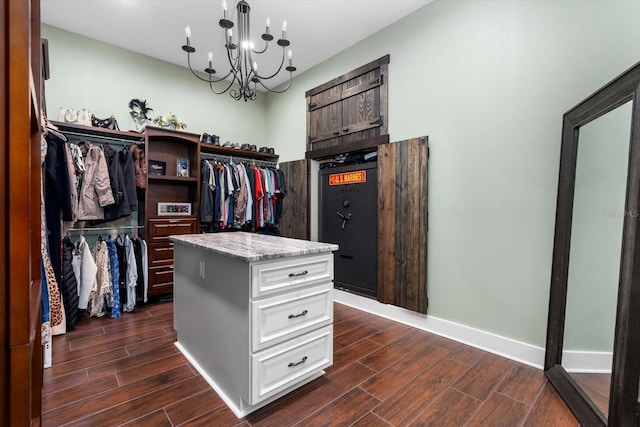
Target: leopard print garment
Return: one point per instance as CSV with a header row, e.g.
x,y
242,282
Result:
x,y
55,299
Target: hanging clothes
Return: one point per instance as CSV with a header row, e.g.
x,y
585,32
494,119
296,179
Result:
x,y
114,273
99,296
57,199
86,270
128,172
131,275
95,192
121,206
69,285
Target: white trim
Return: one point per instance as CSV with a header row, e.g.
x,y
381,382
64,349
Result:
x,y
573,361
515,350
593,362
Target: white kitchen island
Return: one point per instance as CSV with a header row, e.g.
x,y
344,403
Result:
x,y
253,313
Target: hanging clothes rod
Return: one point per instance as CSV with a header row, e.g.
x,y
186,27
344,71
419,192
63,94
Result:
x,y
78,136
229,158
93,230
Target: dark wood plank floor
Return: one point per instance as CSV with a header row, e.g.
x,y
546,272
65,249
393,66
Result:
x,y
127,371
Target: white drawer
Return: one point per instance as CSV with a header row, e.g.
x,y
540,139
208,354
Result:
x,y
279,318
281,366
271,277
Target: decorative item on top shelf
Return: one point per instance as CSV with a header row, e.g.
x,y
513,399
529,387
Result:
x,y
139,112
80,116
170,121
239,51
157,167
108,123
174,209
182,167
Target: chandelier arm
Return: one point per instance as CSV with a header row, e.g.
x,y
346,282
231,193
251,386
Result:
x,y
266,45
277,71
278,91
209,80
220,93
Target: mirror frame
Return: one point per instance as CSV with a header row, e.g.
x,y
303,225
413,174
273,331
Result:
x,y
625,375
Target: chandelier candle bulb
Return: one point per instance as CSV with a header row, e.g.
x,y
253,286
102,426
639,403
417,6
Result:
x,y
284,30
268,26
210,58
187,32
224,9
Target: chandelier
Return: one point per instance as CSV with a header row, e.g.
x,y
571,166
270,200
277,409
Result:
x,y
240,51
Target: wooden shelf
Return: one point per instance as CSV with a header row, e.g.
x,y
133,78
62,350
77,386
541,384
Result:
x,y
237,152
178,179
95,131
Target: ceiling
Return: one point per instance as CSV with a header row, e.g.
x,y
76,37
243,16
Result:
x,y
317,29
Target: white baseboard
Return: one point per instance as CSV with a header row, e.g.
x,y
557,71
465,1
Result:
x,y
573,361
593,362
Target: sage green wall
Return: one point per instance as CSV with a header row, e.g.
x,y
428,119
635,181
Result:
x,y
86,73
488,82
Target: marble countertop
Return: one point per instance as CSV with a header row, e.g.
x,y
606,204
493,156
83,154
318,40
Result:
x,y
253,247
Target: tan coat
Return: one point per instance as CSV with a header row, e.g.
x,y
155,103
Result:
x,y
95,193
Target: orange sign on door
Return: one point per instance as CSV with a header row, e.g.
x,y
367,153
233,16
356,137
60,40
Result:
x,y
355,177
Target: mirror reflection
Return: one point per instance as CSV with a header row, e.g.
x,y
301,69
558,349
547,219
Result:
x,y
596,245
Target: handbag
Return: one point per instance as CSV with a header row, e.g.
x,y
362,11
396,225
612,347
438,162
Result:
x,y
108,123
80,116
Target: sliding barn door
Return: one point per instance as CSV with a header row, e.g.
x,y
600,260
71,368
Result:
x,y
295,213
402,224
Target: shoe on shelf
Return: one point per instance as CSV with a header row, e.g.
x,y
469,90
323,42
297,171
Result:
x,y
205,138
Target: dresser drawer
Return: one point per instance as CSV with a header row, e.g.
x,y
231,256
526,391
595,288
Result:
x,y
271,277
160,229
160,280
280,366
280,318
160,254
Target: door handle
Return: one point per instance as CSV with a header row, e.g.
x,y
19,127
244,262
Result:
x,y
345,218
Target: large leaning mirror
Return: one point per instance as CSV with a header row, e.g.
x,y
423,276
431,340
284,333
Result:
x,y
593,334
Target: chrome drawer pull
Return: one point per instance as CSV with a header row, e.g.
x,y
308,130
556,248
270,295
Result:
x,y
293,316
304,273
291,365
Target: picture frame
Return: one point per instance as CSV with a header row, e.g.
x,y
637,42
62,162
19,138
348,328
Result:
x,y
174,209
182,168
157,167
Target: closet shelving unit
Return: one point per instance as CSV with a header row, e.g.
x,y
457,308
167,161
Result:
x,y
167,145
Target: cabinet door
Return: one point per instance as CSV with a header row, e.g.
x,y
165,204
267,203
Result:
x,y
361,105
325,120
402,224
